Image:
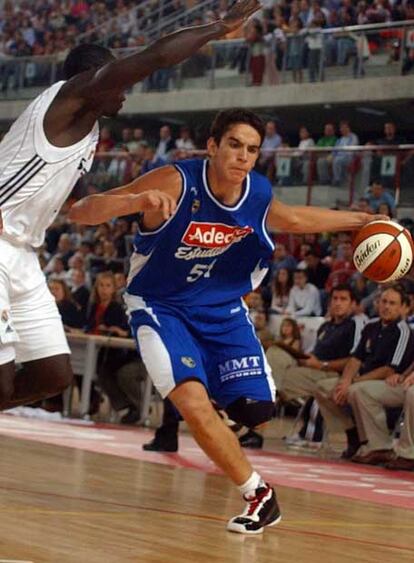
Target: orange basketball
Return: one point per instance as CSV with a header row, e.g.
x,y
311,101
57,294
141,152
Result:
x,y
383,251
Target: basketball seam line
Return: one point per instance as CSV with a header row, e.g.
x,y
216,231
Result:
x,y
395,237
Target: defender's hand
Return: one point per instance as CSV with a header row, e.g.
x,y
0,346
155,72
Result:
x,y
154,200
239,12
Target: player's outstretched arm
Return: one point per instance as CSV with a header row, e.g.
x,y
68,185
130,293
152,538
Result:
x,y
122,73
157,192
306,219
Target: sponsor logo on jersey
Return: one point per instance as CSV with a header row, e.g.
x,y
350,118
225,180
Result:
x,y
214,235
245,366
206,240
188,361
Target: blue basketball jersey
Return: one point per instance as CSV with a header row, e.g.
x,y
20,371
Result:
x,y
207,253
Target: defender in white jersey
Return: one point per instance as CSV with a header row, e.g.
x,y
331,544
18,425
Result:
x,y
45,152
186,281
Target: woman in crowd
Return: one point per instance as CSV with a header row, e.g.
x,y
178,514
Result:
x,y
69,310
107,318
290,334
282,285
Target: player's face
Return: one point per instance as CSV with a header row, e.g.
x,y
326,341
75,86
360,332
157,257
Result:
x,y
236,154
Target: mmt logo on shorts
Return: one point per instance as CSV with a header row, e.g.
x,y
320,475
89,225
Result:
x,y
245,366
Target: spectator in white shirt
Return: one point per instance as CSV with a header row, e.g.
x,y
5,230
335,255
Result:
x,y
272,141
166,144
303,160
304,299
184,143
341,159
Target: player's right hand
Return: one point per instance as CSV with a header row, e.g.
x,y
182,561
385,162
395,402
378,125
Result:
x,y
239,13
154,201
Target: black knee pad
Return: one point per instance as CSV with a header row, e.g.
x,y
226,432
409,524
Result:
x,y
250,412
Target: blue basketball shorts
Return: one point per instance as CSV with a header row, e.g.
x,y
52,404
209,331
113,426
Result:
x,y
216,345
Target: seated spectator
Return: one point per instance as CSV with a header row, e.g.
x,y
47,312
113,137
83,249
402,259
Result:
x,y
281,259
304,300
271,142
369,400
289,340
151,160
289,335
106,142
324,161
385,209
281,286
137,141
72,317
342,267
79,290
184,144
166,144
318,272
386,347
107,317
302,162
341,160
335,340
55,269
362,205
391,137
376,195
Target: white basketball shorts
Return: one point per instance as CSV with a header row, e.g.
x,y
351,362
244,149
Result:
x,y
30,324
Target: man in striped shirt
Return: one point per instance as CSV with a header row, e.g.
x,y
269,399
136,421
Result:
x,y
386,348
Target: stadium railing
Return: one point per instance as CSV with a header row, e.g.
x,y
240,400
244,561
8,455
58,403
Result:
x,y
299,176
84,359
375,50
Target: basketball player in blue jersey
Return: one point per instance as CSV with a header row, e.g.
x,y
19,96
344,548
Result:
x,y
193,260
45,152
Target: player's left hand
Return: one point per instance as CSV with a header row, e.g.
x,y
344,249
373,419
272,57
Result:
x,y
376,217
239,13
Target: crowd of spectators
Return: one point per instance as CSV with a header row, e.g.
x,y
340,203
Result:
x,y
283,159
283,35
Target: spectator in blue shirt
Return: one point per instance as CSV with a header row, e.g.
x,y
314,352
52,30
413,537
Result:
x,y
377,195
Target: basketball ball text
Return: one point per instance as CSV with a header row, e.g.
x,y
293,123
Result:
x,y
365,252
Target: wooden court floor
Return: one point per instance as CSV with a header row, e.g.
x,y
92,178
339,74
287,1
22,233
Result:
x,y
65,505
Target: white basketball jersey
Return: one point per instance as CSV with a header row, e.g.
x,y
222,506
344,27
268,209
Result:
x,y
36,177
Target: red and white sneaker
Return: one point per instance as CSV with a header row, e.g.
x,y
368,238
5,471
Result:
x,y
261,510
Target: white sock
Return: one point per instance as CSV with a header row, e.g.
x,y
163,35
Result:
x,y
253,482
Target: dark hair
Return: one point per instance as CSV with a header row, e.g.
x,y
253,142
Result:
x,y
301,271
376,180
278,288
344,287
296,330
397,287
225,119
85,57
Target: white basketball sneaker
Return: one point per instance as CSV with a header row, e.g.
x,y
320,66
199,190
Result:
x,y
261,510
